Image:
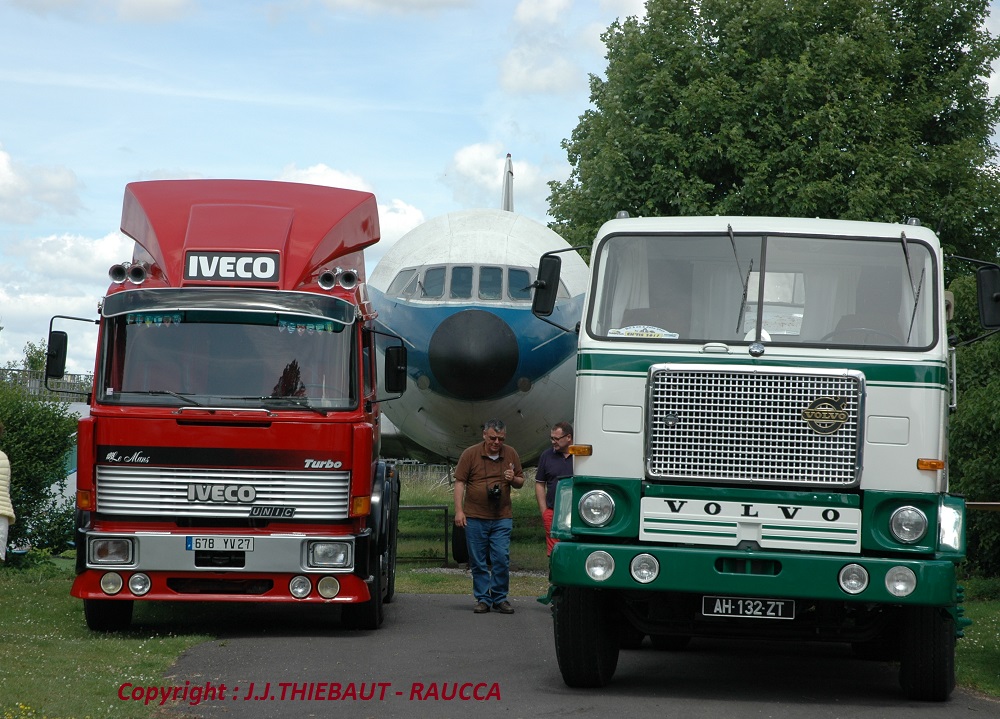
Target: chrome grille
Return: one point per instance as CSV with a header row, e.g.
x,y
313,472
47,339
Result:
x,y
163,491
749,425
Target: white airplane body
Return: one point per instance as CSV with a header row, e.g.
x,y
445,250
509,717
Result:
x,y
457,289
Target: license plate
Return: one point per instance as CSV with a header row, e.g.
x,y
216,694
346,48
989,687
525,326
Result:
x,y
752,607
220,544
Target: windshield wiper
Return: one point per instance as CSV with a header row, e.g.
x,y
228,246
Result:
x,y
288,402
915,288
168,392
746,282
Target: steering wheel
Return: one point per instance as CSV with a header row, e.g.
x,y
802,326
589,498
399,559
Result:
x,y
865,330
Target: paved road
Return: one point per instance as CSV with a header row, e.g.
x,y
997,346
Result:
x,y
432,648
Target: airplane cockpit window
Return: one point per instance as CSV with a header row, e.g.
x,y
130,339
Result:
x,y
461,283
433,284
490,283
404,284
519,284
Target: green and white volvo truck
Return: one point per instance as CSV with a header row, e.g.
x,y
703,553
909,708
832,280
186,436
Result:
x,y
761,444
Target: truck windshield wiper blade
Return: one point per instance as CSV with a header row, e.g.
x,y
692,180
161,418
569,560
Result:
x,y
168,392
288,402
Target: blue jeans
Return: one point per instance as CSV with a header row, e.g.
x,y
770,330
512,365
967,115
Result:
x,y
489,541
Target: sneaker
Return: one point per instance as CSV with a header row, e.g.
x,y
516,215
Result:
x,y
481,608
504,608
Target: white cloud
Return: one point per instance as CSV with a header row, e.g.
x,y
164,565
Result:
x,y
27,192
408,6
152,11
538,68
324,175
475,175
548,12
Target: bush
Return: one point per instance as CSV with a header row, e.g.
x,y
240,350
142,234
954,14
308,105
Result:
x,y
38,434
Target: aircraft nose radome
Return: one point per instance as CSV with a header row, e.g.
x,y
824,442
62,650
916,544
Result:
x,y
473,354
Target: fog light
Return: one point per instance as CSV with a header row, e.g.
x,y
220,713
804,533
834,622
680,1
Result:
x,y
908,525
139,584
111,583
300,586
644,568
110,551
330,554
596,508
600,566
900,581
328,587
853,579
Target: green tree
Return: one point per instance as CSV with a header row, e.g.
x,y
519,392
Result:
x,y
854,109
38,435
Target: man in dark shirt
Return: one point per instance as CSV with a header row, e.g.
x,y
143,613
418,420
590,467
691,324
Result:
x,y
555,463
484,476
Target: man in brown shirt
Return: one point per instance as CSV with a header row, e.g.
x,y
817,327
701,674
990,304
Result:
x,y
483,478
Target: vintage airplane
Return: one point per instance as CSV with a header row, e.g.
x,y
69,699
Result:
x,y
458,290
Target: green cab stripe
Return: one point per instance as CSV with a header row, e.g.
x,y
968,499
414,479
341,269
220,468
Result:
x,y
930,373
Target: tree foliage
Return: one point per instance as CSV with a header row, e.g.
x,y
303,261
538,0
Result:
x,y
854,109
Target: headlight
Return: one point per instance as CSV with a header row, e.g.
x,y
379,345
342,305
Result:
x,y
950,528
908,525
596,508
853,579
644,568
600,565
900,581
110,551
139,584
330,554
299,586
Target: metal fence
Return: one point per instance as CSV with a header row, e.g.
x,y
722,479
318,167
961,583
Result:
x,y
33,381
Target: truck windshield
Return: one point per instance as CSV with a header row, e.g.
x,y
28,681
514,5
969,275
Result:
x,y
775,289
228,359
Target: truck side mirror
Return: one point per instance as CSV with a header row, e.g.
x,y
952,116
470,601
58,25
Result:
x,y
988,291
55,355
395,369
546,285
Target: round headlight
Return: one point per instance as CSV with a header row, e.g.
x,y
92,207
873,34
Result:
x,y
597,508
600,566
900,581
111,583
139,584
300,586
644,568
908,525
328,587
853,578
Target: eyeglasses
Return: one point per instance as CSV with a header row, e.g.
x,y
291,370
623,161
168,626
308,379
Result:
x,y
556,439
495,439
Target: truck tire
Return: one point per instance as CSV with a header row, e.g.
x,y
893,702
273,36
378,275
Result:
x,y
586,637
366,615
927,659
393,540
108,615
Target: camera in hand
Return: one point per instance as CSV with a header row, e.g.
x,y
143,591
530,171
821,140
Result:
x,y
493,493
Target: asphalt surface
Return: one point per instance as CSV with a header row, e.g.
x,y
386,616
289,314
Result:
x,y
434,658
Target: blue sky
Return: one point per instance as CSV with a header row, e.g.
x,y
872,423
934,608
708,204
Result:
x,y
418,101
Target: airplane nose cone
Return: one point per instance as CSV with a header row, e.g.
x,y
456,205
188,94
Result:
x,y
473,354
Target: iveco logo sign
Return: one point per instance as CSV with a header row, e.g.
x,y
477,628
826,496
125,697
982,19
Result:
x,y
227,267
226,493
826,415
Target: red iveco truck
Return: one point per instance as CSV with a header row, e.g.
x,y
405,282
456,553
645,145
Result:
x,y
231,452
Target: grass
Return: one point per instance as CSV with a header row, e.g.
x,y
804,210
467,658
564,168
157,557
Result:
x,y
64,671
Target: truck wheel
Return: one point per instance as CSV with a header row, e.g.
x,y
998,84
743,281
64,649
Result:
x,y
927,660
108,615
390,582
367,615
586,637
